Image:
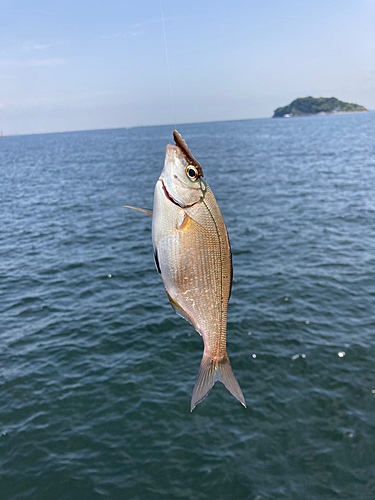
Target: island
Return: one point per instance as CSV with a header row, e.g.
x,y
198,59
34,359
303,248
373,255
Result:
x,y
309,106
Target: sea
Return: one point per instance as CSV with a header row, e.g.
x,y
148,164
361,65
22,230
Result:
x,y
96,369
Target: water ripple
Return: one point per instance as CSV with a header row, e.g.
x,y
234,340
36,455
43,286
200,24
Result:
x,y
96,371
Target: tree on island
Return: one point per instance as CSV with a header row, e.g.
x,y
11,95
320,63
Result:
x,y
305,106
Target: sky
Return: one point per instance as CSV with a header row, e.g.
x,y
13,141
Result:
x,y
81,65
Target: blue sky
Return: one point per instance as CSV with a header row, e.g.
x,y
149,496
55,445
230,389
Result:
x,y
78,65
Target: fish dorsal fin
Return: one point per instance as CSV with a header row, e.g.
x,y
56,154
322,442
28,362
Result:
x,y
147,211
180,143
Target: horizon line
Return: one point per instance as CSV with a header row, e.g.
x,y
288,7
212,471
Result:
x,y
135,126
139,126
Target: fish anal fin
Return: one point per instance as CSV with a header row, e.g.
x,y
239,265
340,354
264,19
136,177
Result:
x,y
210,371
147,211
178,309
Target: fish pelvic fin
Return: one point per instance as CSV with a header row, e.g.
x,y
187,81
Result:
x,y
210,371
147,211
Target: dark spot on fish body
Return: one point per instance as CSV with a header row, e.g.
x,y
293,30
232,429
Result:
x,y
157,261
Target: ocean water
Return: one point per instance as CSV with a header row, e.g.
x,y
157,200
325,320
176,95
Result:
x,y
96,370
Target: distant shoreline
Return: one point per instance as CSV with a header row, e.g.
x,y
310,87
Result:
x,y
28,134
315,106
321,113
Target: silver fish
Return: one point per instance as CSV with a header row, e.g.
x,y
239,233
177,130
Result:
x,y
193,258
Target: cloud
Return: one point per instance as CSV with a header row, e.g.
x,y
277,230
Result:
x,y
137,29
16,63
52,101
29,46
41,46
45,62
122,34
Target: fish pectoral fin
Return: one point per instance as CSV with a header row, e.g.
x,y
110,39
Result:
x,y
147,211
209,372
189,225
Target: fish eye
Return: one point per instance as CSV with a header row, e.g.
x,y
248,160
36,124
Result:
x,y
192,172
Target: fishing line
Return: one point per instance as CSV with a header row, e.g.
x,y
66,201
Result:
x,y
169,69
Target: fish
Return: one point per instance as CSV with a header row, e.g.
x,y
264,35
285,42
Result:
x,y
193,258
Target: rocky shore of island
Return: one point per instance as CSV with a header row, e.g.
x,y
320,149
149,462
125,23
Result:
x,y
312,106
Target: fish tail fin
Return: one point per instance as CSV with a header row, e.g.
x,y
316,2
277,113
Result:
x,y
209,372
